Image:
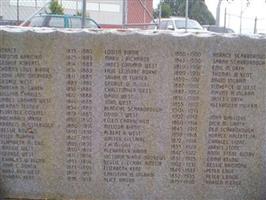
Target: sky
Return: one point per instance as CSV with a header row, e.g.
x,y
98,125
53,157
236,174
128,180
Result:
x,y
256,8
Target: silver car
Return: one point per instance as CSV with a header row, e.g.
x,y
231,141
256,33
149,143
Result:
x,y
179,24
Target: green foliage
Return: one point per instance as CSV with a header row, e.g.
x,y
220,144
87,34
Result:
x,y
56,8
197,10
166,10
79,13
201,13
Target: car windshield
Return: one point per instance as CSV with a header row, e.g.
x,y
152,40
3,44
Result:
x,y
57,22
37,21
181,24
90,24
75,22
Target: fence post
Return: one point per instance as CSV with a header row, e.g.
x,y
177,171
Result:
x,y
225,13
1,9
17,11
218,9
77,7
160,14
186,15
241,17
255,25
124,14
83,13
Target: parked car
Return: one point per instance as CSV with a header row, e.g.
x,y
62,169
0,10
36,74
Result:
x,y
218,29
179,24
61,21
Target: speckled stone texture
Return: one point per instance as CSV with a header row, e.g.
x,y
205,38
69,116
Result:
x,y
132,115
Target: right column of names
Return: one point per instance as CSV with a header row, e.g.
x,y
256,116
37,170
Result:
x,y
231,131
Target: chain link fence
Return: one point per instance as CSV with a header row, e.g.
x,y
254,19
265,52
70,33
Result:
x,y
261,25
113,13
19,10
248,25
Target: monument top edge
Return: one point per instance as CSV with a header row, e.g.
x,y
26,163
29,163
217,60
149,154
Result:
x,y
43,30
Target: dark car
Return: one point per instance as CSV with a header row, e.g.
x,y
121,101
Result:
x,y
61,21
218,29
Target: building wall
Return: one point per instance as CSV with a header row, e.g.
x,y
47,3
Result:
x,y
108,12
136,12
102,11
8,10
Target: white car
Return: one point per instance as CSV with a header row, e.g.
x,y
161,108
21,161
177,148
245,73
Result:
x,y
179,24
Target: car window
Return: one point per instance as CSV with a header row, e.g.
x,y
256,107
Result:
x,y
181,24
194,24
37,21
57,22
228,30
90,24
170,24
163,25
74,22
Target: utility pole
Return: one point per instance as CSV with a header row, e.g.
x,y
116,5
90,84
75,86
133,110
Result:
x,y
255,25
124,15
17,11
160,14
186,14
144,12
218,9
1,9
77,7
83,13
241,17
225,13
241,14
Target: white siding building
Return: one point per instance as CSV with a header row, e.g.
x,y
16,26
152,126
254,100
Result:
x,y
102,11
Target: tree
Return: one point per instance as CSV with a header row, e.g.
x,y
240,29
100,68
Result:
x,y
56,8
197,10
200,12
166,11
